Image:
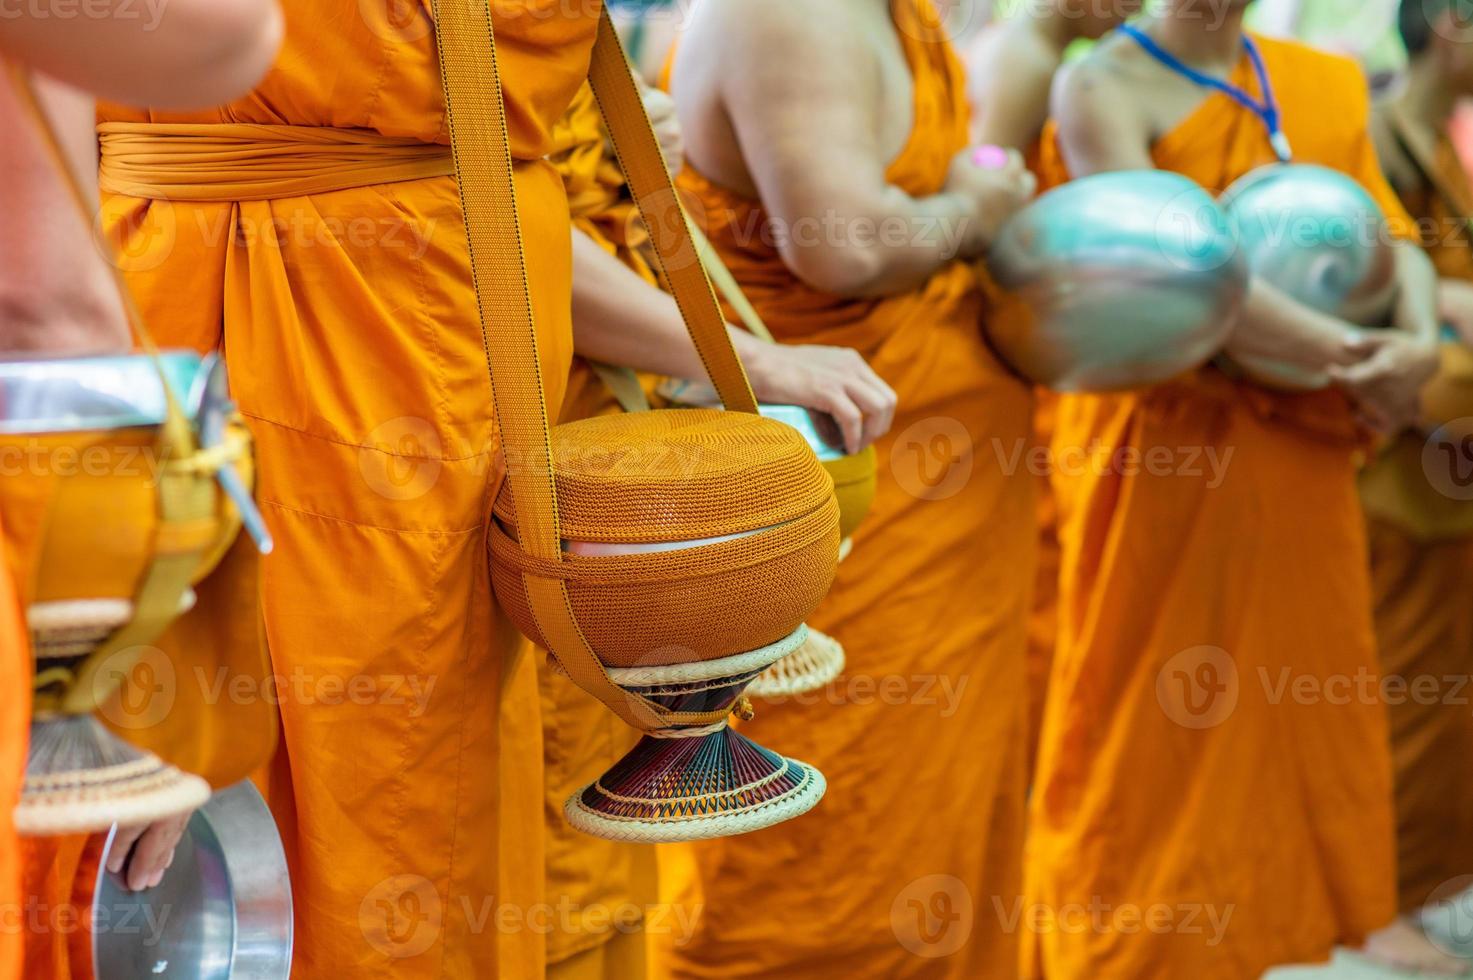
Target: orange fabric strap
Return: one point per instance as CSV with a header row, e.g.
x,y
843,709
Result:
x,y
241,162
483,165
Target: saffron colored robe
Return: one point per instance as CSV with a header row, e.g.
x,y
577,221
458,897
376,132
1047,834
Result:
x,y
1213,793
921,739
1422,577
406,781
15,713
606,887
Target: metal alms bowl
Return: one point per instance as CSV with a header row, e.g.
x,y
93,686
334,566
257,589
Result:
x,y
223,910
1114,281
1317,235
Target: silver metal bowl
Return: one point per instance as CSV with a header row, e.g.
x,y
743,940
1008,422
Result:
x,y
45,394
819,429
1114,281
1317,235
223,910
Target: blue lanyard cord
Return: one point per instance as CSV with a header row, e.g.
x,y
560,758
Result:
x,y
1266,110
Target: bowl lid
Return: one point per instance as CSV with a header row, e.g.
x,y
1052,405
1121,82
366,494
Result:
x,y
679,475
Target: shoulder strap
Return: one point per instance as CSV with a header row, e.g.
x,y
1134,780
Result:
x,y
483,165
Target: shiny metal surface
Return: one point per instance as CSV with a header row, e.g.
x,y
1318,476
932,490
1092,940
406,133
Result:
x,y
605,549
224,909
821,432
818,429
76,394
1316,234
1115,281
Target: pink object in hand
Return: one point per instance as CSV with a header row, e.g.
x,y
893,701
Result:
x,y
990,157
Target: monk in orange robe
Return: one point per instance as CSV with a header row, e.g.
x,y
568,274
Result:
x,y
57,298
312,230
613,891
1421,529
1011,68
1213,794
837,184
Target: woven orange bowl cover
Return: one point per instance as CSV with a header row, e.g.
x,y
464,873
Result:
x,y
716,533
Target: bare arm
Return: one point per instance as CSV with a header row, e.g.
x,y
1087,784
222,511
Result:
x,y
618,318
1393,365
56,293
165,53
1012,96
799,83
1101,130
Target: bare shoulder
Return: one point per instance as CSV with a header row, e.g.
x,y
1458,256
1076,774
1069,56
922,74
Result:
x,y
744,30
1107,79
1098,103
1015,57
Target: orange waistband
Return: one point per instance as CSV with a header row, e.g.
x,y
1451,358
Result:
x,y
245,162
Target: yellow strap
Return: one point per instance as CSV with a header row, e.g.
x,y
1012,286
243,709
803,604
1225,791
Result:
x,y
483,165
623,384
649,183
726,282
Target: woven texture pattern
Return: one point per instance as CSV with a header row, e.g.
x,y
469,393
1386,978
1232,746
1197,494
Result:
x,y
855,478
699,603
809,668
694,788
80,778
678,475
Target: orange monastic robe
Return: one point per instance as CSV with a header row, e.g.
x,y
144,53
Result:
x,y
605,887
1213,793
405,784
1422,578
15,713
921,738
